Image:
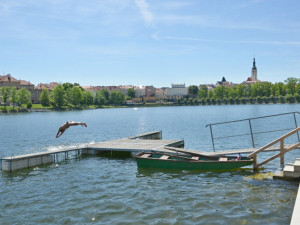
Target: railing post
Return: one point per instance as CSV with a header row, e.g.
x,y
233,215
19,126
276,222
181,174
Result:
x,y
282,153
255,162
296,126
251,133
212,138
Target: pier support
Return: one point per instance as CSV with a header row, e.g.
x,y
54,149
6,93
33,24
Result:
x,y
12,164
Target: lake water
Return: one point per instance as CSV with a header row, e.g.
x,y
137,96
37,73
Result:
x,y
99,190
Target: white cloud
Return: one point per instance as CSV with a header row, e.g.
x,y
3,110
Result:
x,y
144,10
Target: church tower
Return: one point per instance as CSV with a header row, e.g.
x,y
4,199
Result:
x,y
254,72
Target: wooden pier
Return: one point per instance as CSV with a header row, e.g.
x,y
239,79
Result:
x,y
147,142
144,142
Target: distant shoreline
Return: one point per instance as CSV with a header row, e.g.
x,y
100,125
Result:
x,y
147,105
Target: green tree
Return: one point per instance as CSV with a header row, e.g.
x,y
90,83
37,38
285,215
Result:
x,y
44,97
210,94
23,96
281,89
240,90
106,95
282,99
243,100
59,95
248,91
13,96
290,98
291,84
88,98
266,86
274,90
131,93
76,95
99,98
208,101
193,90
5,95
297,97
219,92
231,93
259,100
67,86
257,90
117,97
29,105
266,99
202,93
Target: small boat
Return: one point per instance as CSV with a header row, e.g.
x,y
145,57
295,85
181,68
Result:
x,y
190,162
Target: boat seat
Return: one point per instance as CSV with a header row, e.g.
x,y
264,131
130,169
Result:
x,y
145,155
195,157
223,159
164,157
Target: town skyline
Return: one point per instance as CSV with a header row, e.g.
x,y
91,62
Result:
x,y
223,78
143,42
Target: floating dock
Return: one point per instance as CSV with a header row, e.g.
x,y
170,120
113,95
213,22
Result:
x,y
151,141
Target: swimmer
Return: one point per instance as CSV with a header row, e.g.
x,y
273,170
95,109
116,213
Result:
x,y
66,125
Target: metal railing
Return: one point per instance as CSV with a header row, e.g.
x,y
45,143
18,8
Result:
x,y
250,127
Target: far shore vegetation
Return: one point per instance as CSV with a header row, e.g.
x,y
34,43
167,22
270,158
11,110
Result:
x,y
69,96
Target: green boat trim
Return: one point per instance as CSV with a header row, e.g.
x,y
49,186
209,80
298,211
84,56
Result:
x,y
190,162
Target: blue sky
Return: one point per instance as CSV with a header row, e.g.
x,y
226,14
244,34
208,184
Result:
x,y
143,42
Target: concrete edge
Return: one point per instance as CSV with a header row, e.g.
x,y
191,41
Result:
x,y
296,215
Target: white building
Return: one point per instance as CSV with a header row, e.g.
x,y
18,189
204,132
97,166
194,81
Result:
x,y
177,90
140,91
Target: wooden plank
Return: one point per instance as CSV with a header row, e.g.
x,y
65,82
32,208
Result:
x,y
164,157
222,159
145,155
225,152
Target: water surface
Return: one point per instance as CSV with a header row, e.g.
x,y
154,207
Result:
x,y
98,190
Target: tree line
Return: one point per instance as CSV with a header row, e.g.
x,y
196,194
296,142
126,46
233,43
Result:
x,y
15,97
64,95
68,94
289,91
73,95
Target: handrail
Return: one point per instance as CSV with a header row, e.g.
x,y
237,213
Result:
x,y
250,128
254,118
283,150
274,142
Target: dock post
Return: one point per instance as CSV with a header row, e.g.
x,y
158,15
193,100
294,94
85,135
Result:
x,y
282,153
255,162
10,169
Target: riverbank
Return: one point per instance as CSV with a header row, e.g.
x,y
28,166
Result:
x,y
40,108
